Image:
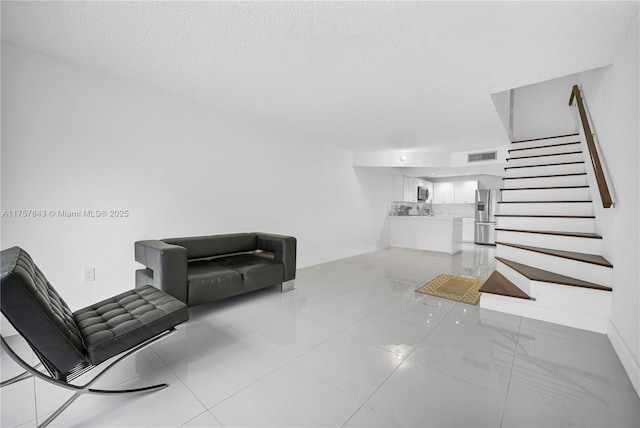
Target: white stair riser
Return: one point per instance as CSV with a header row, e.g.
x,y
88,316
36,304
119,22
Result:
x,y
531,309
574,157
579,300
568,194
600,275
584,225
571,180
519,280
553,242
546,141
545,170
557,208
540,149
586,301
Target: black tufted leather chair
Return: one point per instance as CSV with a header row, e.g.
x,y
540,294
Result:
x,y
70,343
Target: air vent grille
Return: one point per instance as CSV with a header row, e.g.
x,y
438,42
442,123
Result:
x,y
479,157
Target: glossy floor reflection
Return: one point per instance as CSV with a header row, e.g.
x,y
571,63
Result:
x,y
355,346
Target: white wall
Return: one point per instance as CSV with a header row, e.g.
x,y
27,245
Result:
x,y
75,139
461,159
400,159
611,96
502,103
540,110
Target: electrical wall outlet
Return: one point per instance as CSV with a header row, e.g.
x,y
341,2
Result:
x,y
89,274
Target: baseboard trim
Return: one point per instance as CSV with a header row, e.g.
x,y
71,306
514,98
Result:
x,y
628,362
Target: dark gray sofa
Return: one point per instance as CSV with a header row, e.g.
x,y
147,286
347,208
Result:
x,y
203,269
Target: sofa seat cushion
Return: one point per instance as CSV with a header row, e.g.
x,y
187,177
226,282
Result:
x,y
257,270
209,281
116,324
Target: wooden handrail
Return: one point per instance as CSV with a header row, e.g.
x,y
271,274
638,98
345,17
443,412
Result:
x,y
605,195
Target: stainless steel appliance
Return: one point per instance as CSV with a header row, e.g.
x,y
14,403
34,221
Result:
x,y
423,193
485,225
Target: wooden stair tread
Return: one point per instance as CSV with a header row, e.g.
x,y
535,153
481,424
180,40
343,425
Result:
x,y
552,232
535,274
580,257
544,202
544,147
546,138
545,176
544,155
547,164
544,215
498,284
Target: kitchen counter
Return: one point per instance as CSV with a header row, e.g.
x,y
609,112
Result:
x,y
432,233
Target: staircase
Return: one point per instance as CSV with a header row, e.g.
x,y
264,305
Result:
x,y
549,262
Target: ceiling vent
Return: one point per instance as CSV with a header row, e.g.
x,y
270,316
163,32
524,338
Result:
x,y
479,157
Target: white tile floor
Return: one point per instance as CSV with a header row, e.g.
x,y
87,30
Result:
x,y
355,346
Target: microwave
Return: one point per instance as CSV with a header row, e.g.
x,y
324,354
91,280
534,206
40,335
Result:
x,y
423,193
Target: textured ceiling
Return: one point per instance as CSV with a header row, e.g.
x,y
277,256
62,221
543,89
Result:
x,y
362,75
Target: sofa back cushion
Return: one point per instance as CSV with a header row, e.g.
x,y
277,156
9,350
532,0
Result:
x,y
200,247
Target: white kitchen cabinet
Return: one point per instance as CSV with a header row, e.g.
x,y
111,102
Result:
x,y
455,192
406,188
443,192
468,226
410,189
465,191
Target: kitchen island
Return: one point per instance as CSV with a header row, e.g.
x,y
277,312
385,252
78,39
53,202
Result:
x,y
433,233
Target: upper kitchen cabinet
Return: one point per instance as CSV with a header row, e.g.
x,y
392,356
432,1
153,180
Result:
x,y
406,188
465,191
455,192
402,188
444,192
410,189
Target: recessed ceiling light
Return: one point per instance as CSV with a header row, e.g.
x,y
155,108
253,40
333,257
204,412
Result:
x,y
402,158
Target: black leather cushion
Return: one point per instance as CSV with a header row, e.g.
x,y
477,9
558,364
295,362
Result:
x,y
38,313
123,321
199,247
209,281
257,271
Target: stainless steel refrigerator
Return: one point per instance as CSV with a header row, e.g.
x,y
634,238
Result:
x,y
485,226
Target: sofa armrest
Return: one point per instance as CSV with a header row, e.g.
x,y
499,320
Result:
x,y
168,264
283,249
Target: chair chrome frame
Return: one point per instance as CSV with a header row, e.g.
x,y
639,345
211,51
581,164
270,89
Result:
x,y
32,371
